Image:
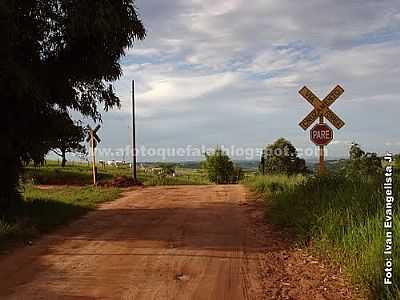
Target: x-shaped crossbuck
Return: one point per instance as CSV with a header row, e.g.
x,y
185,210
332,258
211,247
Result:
x,y
321,108
93,137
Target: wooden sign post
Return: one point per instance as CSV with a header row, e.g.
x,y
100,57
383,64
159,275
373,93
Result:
x,y
93,139
321,134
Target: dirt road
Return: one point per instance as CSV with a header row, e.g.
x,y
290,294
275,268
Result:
x,y
188,242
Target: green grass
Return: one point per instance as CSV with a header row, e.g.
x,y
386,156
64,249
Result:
x,y
71,174
343,217
43,210
184,177
81,174
267,185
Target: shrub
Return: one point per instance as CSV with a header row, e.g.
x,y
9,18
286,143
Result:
x,y
220,168
362,163
281,158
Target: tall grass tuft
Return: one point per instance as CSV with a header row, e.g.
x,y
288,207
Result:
x,y
344,217
273,184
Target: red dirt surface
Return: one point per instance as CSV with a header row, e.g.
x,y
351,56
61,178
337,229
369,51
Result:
x,y
122,182
187,242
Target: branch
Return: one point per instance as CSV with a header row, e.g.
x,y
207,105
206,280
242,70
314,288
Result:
x,y
59,154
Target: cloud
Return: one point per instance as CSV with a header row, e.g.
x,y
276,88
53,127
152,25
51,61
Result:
x,y
230,71
394,143
147,52
171,90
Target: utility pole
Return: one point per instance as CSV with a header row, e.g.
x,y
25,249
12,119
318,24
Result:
x,y
321,151
133,132
93,155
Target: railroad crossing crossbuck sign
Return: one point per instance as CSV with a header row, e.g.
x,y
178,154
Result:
x,y
321,134
93,139
321,108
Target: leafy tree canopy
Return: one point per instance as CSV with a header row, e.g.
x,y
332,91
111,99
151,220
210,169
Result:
x,y
356,152
56,56
362,163
281,157
68,137
221,169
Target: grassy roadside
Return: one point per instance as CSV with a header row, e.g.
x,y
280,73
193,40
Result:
x,y
192,178
43,210
81,174
344,219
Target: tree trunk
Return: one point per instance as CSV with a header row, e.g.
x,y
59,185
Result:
x,y
10,197
64,159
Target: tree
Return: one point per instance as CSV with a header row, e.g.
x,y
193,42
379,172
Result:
x,y
56,56
356,152
68,138
220,168
362,163
371,164
281,157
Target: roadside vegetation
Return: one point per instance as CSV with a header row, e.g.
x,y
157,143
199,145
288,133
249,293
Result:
x,y
195,177
74,173
220,168
273,184
341,215
281,157
41,210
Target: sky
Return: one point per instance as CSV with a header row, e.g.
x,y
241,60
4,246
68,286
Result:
x,y
228,72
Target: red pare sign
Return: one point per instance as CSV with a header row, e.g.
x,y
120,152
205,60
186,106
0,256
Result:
x,y
321,134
